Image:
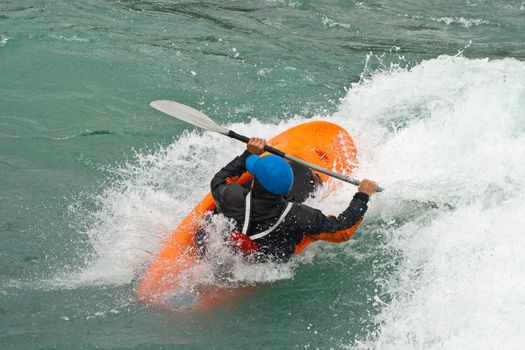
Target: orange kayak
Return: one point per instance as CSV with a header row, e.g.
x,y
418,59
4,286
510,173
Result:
x,y
319,142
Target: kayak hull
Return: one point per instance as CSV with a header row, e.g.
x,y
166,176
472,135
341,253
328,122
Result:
x,y
319,142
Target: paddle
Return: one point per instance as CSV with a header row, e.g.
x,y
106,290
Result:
x,y
197,118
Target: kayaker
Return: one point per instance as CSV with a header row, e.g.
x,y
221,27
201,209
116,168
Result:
x,y
271,221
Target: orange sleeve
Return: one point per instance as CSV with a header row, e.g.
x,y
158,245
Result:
x,y
337,237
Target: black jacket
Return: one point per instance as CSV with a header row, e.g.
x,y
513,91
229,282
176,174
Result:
x,y
266,208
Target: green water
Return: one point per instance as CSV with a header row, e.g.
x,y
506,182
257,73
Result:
x,y
76,78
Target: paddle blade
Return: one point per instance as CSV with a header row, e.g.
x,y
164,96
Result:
x,y
188,115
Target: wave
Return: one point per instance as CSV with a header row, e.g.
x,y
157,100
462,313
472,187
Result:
x,y
450,130
446,138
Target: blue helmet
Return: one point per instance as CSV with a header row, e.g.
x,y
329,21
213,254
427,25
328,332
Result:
x,y
273,172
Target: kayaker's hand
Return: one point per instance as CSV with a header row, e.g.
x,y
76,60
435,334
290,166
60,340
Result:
x,y
256,145
368,186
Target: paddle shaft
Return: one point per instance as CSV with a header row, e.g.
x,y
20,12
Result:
x,y
201,120
279,153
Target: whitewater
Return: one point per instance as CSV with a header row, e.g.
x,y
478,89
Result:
x,y
445,137
450,130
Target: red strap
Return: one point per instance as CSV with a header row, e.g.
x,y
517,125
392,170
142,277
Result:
x,y
242,242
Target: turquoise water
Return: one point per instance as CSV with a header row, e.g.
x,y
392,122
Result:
x,y
92,179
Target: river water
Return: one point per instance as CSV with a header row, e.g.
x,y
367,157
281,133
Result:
x,y
92,179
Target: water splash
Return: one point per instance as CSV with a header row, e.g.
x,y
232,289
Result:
x,y
446,138
128,222
450,130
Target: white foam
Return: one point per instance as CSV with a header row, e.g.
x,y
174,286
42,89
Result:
x,y
3,40
450,130
221,266
149,197
330,23
74,38
465,22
